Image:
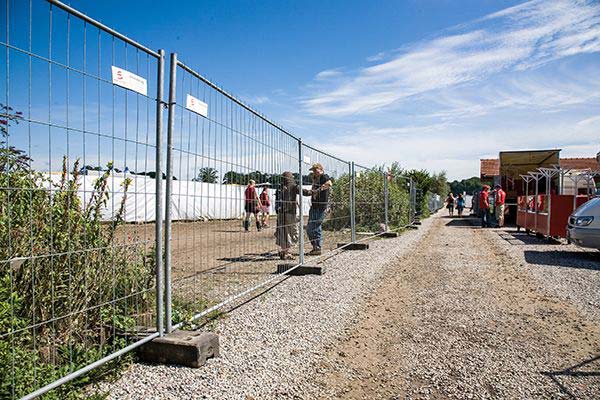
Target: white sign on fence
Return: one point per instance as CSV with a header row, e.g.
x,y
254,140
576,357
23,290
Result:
x,y
306,160
195,105
129,80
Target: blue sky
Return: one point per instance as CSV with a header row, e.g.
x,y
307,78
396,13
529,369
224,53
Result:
x,y
431,84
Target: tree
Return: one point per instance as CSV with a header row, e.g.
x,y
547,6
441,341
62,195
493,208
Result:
x,y
469,185
207,175
10,157
439,184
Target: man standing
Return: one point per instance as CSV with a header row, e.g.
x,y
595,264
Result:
x,y
251,205
499,205
319,194
484,206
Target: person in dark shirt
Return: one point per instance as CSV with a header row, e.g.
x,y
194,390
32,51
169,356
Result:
x,y
286,233
319,194
450,204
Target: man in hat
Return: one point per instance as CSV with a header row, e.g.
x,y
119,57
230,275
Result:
x,y
319,194
500,198
484,207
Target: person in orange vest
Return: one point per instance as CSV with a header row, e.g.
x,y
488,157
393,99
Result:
x,y
500,198
484,207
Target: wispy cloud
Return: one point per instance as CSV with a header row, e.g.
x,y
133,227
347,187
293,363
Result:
x,y
590,121
515,39
257,100
328,74
377,57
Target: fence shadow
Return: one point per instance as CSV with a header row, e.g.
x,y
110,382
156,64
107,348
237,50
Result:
x,y
460,222
560,258
572,372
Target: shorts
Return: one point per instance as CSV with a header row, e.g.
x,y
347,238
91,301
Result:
x,y
251,208
265,209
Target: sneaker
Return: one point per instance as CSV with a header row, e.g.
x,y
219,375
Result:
x,y
315,252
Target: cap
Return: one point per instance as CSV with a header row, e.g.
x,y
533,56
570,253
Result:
x,y
498,186
316,166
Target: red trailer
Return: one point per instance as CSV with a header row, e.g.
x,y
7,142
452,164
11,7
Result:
x,y
546,214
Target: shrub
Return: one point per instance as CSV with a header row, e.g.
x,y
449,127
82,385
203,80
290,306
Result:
x,y
369,207
56,309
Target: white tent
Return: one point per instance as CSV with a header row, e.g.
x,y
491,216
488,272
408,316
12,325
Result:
x,y
189,200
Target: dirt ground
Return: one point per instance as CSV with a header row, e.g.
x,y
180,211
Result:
x,y
459,318
213,260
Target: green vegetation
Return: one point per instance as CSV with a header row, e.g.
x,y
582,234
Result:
x,y
428,184
370,197
61,267
469,185
207,174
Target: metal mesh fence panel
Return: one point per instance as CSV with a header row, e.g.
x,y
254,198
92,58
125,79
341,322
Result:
x,y
228,223
399,202
327,183
82,193
370,189
77,241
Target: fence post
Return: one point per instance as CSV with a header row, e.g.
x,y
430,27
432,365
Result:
x,y
412,206
158,215
169,189
352,201
300,204
385,199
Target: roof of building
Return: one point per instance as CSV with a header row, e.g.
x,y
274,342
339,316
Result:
x,y
579,163
489,167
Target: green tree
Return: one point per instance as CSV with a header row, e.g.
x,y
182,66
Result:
x,y
469,185
207,174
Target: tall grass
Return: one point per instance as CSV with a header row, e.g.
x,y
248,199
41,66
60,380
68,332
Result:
x,y
61,267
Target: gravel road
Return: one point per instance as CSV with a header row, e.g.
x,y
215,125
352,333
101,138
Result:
x,y
467,316
447,311
272,345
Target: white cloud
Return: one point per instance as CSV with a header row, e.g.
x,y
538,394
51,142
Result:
x,y
328,74
258,100
590,121
537,94
518,38
377,57
457,149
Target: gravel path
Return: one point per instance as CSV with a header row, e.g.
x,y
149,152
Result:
x,y
448,311
466,316
568,272
272,346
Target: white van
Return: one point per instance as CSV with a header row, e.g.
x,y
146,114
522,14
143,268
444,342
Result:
x,y
584,225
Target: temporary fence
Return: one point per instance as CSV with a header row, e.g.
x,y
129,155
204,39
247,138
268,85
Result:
x,y
86,272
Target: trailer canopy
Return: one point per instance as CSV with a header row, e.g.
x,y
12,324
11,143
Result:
x,y
516,163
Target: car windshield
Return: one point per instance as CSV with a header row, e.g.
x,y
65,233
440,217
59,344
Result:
x,y
588,206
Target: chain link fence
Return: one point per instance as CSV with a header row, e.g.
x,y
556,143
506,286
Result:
x,y
115,229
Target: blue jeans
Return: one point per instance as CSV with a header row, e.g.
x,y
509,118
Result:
x,y
486,218
314,228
